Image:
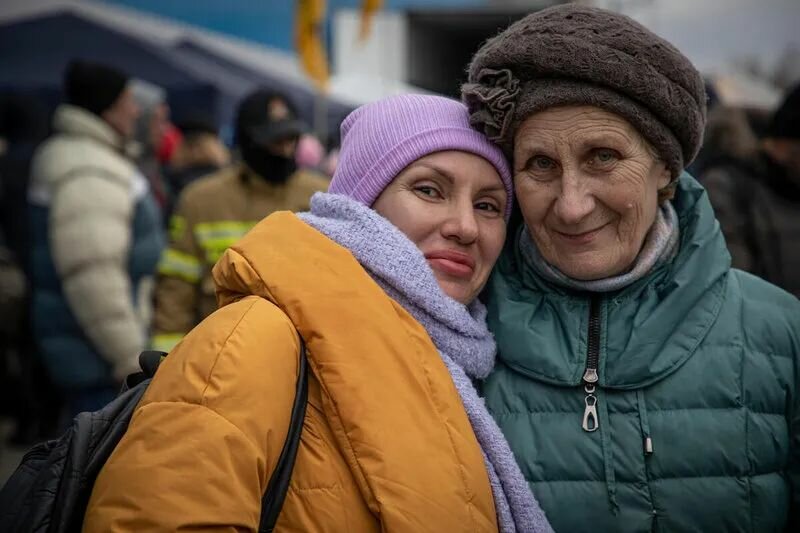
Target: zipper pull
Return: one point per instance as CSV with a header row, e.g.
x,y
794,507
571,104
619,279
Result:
x,y
590,420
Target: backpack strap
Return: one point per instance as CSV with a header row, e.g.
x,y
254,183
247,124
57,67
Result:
x,y
149,361
278,485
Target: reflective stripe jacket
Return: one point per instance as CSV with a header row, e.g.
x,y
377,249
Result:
x,y
212,214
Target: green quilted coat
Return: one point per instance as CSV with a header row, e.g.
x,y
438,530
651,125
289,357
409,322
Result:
x,y
668,406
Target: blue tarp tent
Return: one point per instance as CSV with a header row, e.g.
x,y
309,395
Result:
x,y
34,53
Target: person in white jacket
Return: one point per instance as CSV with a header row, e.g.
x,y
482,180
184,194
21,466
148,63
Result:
x,y
96,240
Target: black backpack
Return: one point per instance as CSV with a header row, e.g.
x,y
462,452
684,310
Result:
x,y
50,489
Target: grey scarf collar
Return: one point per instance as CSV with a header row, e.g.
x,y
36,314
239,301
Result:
x,y
459,333
660,246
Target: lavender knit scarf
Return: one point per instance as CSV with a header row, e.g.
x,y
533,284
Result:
x,y
459,333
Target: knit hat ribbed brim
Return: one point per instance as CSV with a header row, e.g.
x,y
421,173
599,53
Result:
x,y
381,139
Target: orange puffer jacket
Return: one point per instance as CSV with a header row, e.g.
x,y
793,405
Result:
x,y
386,444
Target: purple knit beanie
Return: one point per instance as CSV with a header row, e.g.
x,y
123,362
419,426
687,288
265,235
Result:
x,y
382,138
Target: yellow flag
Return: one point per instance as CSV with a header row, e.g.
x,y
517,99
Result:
x,y
309,18
368,9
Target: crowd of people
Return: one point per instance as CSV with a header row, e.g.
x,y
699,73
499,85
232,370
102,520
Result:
x,y
754,185
520,311
112,222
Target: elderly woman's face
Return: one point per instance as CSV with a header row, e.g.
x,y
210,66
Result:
x,y
451,205
587,184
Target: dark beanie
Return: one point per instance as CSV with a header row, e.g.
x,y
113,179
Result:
x,y
785,122
93,86
197,123
578,55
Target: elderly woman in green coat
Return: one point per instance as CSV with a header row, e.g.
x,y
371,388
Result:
x,y
643,384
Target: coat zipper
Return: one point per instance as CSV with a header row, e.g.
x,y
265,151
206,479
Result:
x,y
590,419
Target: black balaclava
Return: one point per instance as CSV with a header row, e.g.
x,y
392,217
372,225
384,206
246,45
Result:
x,y
270,167
265,117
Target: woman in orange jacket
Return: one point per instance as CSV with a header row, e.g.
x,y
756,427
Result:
x,y
380,280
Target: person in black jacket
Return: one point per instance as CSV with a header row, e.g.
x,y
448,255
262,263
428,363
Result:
x,y
24,127
27,396
758,204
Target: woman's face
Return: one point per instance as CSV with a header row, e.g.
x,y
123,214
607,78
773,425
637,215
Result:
x,y
451,205
587,184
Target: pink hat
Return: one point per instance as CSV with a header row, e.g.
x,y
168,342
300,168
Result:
x,y
309,151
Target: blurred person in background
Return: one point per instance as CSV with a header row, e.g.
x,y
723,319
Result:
x,y
151,127
310,153
14,390
728,140
730,154
96,240
27,393
330,162
199,153
169,144
214,212
756,195
24,127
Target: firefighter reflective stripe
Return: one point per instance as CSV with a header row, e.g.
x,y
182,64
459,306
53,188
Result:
x,y
209,232
180,265
215,249
165,342
177,225
216,237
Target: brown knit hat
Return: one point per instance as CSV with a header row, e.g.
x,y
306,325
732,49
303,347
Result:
x,y
578,55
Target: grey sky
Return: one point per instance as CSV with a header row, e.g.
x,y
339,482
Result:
x,y
713,32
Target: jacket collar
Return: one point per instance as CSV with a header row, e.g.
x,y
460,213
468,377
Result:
x,y
649,328
74,120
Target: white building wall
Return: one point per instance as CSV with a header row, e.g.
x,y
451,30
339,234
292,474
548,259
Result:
x,y
383,54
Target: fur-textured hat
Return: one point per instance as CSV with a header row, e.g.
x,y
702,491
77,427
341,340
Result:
x,y
578,55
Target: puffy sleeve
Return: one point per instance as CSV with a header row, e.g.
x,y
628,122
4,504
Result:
x,y
90,229
208,433
794,426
